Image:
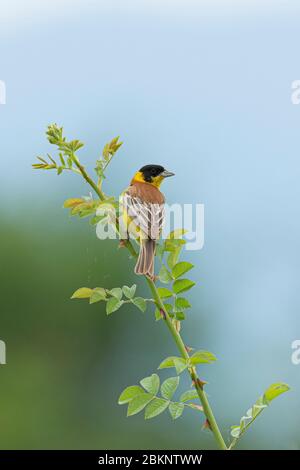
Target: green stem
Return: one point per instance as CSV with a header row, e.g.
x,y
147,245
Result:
x,y
175,334
192,371
87,178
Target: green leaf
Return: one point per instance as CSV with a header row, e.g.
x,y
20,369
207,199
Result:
x,y
151,384
169,387
159,251
96,219
177,233
182,285
189,395
181,268
129,393
275,390
97,295
140,303
173,258
176,409
164,292
112,305
261,403
129,291
164,275
62,160
138,403
72,202
178,362
180,316
82,293
156,407
116,292
181,304
174,245
202,357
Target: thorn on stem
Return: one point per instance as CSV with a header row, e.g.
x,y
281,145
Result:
x,y
200,383
206,425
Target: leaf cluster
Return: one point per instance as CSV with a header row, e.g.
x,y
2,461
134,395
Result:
x,y
114,298
146,397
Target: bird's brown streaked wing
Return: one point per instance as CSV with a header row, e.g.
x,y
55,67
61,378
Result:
x,y
149,217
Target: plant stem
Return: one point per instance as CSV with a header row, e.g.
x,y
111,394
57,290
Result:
x,y
175,334
87,178
192,371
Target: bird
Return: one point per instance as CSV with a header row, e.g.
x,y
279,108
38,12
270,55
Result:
x,y
143,213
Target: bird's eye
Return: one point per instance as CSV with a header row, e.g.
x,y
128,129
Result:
x,y
153,171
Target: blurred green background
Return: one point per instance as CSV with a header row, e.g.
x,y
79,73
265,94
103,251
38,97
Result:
x,y
204,89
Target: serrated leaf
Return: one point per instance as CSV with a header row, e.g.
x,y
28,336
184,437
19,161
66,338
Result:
x,y
82,293
129,393
140,303
182,285
138,403
202,357
129,291
169,387
176,409
275,390
116,292
151,384
156,407
97,295
164,292
164,275
178,362
189,395
181,268
181,304
112,305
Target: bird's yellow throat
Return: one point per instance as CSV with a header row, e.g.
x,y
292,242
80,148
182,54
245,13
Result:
x,y
156,180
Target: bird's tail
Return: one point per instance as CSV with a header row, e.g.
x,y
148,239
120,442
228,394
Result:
x,y
145,262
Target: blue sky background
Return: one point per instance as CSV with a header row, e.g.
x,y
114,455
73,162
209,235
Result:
x,y
204,88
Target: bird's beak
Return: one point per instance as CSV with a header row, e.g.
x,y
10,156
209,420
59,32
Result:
x,y
166,173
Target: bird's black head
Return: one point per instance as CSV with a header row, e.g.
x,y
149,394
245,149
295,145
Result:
x,y
153,174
